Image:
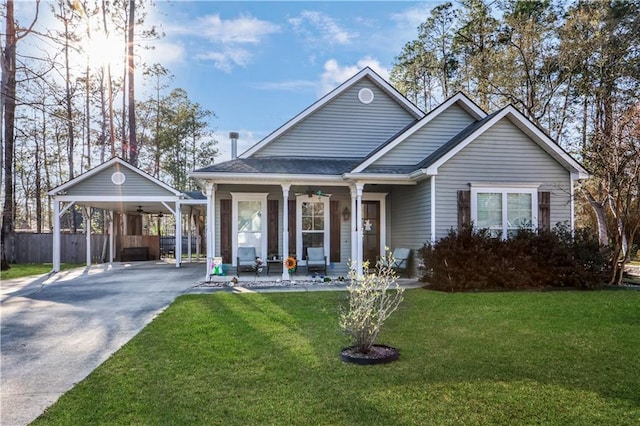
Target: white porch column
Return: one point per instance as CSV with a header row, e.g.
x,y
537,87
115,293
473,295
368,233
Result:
x,y
56,235
111,239
354,229
285,230
359,234
210,192
178,250
189,232
124,219
87,230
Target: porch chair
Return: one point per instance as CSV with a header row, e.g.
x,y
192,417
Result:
x,y
400,260
316,260
246,260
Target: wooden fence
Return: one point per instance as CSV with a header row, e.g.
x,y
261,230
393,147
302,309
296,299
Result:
x,y
38,248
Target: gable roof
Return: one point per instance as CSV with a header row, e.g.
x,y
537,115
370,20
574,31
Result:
x,y
107,164
431,164
459,99
364,73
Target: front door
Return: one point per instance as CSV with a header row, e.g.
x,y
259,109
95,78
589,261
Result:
x,y
371,232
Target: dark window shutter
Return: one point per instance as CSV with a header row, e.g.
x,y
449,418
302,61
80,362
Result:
x,y
225,230
334,226
292,228
544,211
464,209
272,223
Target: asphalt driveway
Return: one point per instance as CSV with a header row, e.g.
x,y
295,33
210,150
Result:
x,y
57,330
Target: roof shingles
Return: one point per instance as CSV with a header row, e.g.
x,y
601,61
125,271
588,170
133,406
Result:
x,y
284,165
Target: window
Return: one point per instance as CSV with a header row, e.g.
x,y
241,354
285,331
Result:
x,y
504,211
313,224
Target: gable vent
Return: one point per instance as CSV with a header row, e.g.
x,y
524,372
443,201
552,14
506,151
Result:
x,y
365,95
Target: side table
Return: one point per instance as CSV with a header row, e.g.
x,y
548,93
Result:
x,y
274,263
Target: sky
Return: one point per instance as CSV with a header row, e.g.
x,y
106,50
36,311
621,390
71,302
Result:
x,y
256,64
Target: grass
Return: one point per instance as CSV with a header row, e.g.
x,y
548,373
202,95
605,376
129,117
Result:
x,y
29,269
485,358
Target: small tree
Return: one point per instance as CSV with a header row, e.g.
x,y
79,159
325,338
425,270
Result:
x,y
373,297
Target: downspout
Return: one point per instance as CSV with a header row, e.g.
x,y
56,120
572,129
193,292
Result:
x,y
572,203
433,210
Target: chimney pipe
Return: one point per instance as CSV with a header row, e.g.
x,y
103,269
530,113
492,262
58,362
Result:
x,y
234,144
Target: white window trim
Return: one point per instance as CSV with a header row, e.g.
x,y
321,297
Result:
x,y
504,190
304,198
381,197
247,196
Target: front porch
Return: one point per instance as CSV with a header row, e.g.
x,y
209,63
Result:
x,y
349,225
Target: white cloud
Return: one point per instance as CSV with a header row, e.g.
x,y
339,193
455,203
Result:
x,y
334,74
228,58
230,36
245,29
412,17
320,28
163,52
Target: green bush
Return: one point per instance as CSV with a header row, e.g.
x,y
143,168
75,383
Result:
x,y
473,260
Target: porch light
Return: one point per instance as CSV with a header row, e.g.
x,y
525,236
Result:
x,y
346,214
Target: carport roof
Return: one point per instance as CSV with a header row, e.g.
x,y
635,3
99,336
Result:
x,y
119,186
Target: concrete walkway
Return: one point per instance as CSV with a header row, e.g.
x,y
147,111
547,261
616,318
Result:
x,y
56,330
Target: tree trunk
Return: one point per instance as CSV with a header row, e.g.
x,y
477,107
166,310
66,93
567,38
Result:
x,y
9,112
133,144
599,211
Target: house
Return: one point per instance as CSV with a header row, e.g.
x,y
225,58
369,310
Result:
x,y
363,169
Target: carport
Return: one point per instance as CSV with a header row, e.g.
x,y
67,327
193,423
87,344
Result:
x,y
124,192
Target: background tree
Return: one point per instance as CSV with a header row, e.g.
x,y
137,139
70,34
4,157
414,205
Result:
x,y
8,60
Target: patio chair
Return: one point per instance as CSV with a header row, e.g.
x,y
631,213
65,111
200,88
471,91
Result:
x,y
316,260
246,260
400,260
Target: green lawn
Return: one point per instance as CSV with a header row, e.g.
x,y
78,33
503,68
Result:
x,y
486,358
28,269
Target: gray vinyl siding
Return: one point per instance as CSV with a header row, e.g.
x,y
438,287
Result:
x,y
100,184
410,218
503,154
343,127
429,138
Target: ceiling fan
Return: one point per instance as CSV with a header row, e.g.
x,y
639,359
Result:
x,y
313,192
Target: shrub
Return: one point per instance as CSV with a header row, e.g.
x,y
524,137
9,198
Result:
x,y
473,260
373,297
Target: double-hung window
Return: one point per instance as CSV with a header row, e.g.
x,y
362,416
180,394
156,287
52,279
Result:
x,y
313,224
503,211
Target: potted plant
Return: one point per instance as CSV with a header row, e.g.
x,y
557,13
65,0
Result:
x,y
373,297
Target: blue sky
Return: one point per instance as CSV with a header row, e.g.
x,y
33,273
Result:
x,y
257,64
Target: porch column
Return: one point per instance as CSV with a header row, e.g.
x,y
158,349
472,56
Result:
x,y
189,232
210,191
178,250
125,227
285,230
111,240
359,234
56,235
354,229
87,230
